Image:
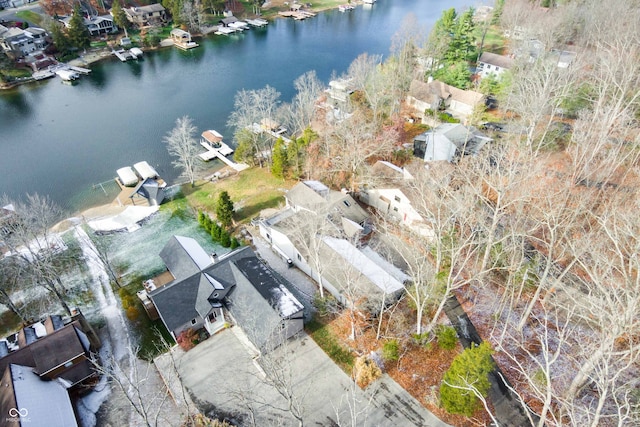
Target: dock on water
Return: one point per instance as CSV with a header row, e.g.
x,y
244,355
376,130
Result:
x,y
216,148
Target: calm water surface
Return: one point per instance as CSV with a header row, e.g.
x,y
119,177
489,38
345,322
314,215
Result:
x,y
61,140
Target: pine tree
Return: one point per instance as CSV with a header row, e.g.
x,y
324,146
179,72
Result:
x,y
225,239
215,232
279,158
59,37
77,32
119,17
468,369
224,210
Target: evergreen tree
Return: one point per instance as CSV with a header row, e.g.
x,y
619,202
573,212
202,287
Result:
x,y
77,32
215,232
234,243
174,7
119,17
224,209
468,369
225,239
279,158
59,37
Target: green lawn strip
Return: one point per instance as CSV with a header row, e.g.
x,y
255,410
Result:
x,y
251,191
494,41
30,16
329,344
150,333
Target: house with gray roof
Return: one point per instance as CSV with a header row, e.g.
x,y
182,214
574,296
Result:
x,y
26,400
143,16
448,142
492,63
204,284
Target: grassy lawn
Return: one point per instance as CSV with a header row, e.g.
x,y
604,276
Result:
x,y
494,41
95,44
30,16
150,333
14,73
330,344
251,191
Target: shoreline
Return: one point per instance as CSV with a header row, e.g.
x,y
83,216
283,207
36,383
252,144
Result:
x,y
102,54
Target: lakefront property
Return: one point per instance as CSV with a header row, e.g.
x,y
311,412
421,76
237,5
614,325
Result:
x,y
443,234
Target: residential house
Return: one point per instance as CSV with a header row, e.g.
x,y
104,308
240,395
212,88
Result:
x,y
97,25
436,95
203,284
150,189
320,231
19,43
315,197
144,16
492,63
340,90
448,142
389,193
27,400
54,350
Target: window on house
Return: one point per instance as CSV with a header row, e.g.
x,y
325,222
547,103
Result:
x,y
213,316
268,237
395,208
396,198
299,257
194,321
346,203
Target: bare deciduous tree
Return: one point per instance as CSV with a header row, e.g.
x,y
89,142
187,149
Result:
x,y
182,143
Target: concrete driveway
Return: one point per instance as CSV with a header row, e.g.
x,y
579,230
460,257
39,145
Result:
x,y
224,379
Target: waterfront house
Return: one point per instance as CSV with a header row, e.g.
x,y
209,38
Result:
x,y
448,141
492,63
145,16
18,43
96,25
204,284
436,95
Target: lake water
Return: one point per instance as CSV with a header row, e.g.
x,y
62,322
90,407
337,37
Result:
x,y
60,140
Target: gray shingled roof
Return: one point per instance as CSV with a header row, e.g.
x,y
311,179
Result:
x,y
495,59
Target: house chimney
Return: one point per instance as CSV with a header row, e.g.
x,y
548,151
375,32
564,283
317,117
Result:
x,y
214,257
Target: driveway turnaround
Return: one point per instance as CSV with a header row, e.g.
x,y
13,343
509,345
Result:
x,y
226,378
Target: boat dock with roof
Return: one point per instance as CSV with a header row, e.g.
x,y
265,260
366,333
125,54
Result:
x,y
216,148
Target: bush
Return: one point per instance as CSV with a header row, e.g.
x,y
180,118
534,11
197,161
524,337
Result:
x,y
187,339
366,371
234,243
325,305
447,337
471,367
391,350
423,339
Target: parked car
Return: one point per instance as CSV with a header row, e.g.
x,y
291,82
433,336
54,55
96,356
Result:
x,y
493,126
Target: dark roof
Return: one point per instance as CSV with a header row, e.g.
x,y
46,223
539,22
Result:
x,y
250,283
176,301
51,350
59,347
150,189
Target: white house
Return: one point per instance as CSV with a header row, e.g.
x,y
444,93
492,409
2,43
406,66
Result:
x,y
18,43
492,63
391,197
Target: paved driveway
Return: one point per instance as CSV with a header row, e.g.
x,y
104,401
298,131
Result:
x,y
223,378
